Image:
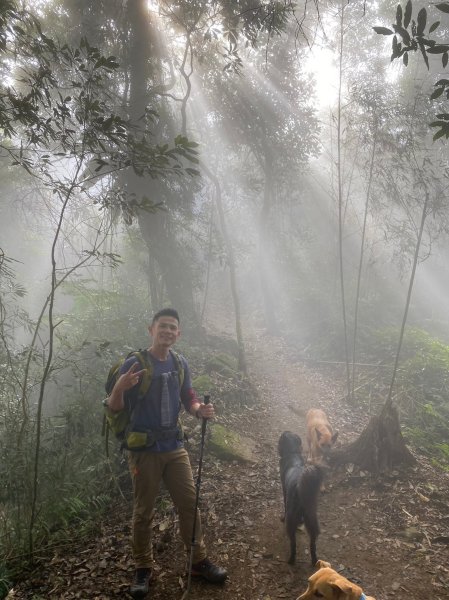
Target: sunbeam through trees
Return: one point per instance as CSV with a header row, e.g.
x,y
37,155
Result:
x,y
278,173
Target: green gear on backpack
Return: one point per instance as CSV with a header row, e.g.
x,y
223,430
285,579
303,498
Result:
x,y
119,422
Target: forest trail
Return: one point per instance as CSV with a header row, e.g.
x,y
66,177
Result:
x,y
390,535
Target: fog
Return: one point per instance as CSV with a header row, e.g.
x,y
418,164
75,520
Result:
x,y
280,202
263,171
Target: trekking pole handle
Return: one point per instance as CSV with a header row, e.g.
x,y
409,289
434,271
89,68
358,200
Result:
x,y
203,424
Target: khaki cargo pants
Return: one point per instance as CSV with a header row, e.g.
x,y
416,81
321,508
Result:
x,y
148,469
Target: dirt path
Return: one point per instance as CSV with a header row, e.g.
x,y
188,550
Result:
x,y
389,535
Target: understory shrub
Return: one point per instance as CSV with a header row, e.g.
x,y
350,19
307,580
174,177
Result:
x,y
421,389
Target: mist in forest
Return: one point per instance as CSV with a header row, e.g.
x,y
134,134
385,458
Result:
x,y
269,173
279,195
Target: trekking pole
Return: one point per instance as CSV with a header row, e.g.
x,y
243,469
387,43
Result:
x,y
197,485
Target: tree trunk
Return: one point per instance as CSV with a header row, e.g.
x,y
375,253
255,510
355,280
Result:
x,y
157,227
232,270
359,273
340,202
379,447
172,263
155,284
265,248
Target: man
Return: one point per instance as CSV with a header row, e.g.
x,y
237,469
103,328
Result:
x,y
156,450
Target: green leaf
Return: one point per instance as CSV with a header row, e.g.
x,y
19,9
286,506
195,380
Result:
x,y
403,33
439,49
444,59
383,30
112,63
407,14
444,7
437,93
422,20
100,62
438,135
405,58
192,172
180,140
399,15
396,48
434,26
424,54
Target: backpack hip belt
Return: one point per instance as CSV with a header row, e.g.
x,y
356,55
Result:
x,y
139,440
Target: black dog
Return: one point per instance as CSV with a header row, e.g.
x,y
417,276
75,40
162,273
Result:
x,y
301,487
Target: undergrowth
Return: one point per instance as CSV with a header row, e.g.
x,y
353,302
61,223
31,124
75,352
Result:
x,y
421,389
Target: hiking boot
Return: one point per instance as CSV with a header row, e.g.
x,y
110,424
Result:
x,y
141,583
209,571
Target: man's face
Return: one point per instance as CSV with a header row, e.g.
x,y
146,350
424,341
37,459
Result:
x,y
165,331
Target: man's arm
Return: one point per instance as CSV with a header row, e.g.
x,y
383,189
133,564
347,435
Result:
x,y
126,381
202,411
190,399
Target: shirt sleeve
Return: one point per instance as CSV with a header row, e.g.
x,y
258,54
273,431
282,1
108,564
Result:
x,y
188,394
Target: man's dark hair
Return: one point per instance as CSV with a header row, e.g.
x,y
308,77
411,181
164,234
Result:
x,y
166,312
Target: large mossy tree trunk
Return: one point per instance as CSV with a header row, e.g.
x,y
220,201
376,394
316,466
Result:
x,y
379,447
171,261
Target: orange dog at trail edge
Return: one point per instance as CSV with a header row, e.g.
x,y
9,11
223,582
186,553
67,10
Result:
x,y
328,584
319,435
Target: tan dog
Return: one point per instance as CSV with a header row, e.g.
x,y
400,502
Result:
x,y
330,585
319,435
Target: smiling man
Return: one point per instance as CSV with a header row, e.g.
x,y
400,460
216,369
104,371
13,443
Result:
x,y
155,446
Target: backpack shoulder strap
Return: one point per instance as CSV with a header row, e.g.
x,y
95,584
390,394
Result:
x,y
179,366
145,363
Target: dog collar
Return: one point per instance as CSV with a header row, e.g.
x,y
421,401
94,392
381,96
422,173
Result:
x,y
362,597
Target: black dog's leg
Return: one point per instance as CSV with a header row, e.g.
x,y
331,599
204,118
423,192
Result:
x,y
313,529
291,526
291,470
292,557
313,551
285,502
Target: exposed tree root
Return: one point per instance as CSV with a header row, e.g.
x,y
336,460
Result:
x,y
379,447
